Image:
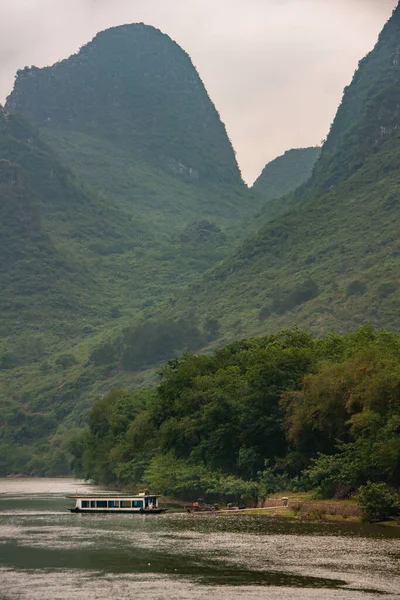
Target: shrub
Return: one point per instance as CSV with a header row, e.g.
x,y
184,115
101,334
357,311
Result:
x,y
66,360
356,288
378,502
303,292
104,355
264,313
386,289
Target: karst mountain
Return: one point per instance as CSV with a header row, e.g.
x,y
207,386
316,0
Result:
x,y
128,235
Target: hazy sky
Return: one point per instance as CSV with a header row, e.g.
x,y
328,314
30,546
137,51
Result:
x,y
275,69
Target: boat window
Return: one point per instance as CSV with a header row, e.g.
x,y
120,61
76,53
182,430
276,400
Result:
x,y
93,504
111,504
116,503
137,503
101,503
126,504
85,504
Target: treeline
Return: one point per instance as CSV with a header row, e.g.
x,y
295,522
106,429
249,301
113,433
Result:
x,y
154,342
260,415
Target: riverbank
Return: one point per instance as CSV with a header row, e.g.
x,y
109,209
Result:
x,y
304,508
285,513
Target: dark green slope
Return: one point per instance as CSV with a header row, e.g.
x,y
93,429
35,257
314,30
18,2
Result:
x,y
40,283
286,173
26,252
55,290
332,262
143,224
130,116
280,180
167,203
368,115
133,86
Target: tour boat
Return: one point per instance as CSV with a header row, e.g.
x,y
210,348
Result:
x,y
143,503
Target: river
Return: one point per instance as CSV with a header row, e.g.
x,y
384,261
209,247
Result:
x,y
47,553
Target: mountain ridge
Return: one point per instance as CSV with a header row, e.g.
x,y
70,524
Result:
x,y
329,262
292,169
324,259
142,90
365,118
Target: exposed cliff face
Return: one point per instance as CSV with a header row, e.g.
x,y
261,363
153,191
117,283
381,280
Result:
x,y
136,87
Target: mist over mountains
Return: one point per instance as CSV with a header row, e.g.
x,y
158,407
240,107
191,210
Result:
x,y
128,235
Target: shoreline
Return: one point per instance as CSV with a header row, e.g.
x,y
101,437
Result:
x,y
319,514
284,513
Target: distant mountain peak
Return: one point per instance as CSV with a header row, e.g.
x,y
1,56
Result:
x,y
369,114
287,172
134,86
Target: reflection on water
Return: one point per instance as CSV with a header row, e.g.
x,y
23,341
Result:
x,y
48,553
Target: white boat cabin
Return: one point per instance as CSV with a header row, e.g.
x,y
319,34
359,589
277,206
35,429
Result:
x,y
142,503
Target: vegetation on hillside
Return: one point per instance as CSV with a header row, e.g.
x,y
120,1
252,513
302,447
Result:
x,y
107,260
257,416
107,263
367,117
339,236
134,86
41,283
286,173
329,264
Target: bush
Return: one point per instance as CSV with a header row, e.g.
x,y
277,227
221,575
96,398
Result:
x,y
104,355
356,288
303,292
264,313
66,360
378,502
386,289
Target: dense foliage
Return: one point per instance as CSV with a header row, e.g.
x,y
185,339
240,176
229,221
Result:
x,y
286,173
94,291
133,85
340,230
378,502
259,415
85,268
368,116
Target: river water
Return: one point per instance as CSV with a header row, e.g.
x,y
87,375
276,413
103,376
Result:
x,y
47,553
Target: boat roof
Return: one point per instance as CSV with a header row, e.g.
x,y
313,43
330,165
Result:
x,y
113,496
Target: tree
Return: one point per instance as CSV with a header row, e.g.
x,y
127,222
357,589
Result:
x,y
378,502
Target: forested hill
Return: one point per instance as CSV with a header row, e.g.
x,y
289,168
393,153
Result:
x,y
26,253
368,117
161,202
330,263
128,187
41,282
269,414
287,172
132,85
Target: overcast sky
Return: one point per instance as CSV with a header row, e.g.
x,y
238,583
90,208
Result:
x,y
275,69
